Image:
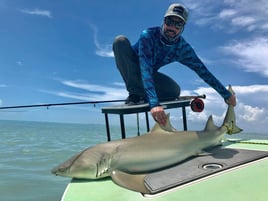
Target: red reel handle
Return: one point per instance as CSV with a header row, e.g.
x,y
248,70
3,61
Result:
x,y
197,105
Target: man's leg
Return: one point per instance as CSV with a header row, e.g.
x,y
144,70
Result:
x,y
127,63
166,88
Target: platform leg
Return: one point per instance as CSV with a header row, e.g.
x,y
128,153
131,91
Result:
x,y
138,124
147,121
107,127
122,124
184,118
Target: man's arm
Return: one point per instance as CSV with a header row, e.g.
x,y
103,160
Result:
x,y
146,58
191,60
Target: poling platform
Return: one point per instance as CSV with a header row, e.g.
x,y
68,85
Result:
x,y
122,110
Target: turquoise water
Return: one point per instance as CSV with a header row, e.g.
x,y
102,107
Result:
x,y
29,150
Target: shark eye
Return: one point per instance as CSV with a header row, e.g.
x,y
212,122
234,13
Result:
x,y
61,169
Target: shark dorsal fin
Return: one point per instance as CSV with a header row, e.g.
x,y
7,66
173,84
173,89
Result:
x,y
168,127
155,128
210,124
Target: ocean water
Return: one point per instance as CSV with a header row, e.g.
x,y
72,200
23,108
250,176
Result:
x,y
29,150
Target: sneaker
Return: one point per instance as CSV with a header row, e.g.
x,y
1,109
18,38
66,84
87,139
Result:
x,y
133,99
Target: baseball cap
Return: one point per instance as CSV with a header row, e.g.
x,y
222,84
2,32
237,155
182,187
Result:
x,y
177,10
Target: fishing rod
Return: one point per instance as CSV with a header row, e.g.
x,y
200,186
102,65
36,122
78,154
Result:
x,y
59,104
87,102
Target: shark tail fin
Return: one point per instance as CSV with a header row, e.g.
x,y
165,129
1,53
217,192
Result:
x,y
230,120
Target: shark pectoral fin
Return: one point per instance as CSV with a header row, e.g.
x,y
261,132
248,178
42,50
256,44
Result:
x,y
130,181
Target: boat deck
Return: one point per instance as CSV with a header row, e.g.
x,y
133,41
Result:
x,y
243,182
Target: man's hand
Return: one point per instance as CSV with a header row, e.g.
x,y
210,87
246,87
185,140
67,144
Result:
x,y
231,100
159,115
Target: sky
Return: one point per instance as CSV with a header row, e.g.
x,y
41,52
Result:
x,y
61,51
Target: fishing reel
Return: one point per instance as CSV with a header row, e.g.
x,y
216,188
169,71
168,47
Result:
x,y
197,104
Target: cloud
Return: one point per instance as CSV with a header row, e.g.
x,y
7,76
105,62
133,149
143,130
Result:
x,y
19,63
252,89
252,119
252,114
38,12
103,50
252,55
91,92
227,13
234,14
251,110
3,85
243,21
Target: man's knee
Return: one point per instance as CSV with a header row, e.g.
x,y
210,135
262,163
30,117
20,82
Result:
x,y
120,41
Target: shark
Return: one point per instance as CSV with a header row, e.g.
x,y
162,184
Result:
x,y
128,161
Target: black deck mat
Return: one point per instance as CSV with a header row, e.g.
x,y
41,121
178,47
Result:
x,y
193,168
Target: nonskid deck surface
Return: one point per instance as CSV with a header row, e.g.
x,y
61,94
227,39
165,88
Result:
x,y
216,160
243,182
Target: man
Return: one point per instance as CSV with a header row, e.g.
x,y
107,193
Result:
x,y
156,47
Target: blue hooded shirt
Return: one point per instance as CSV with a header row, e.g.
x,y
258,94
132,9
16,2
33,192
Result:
x,y
153,53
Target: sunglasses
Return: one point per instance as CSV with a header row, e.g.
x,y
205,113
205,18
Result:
x,y
170,22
